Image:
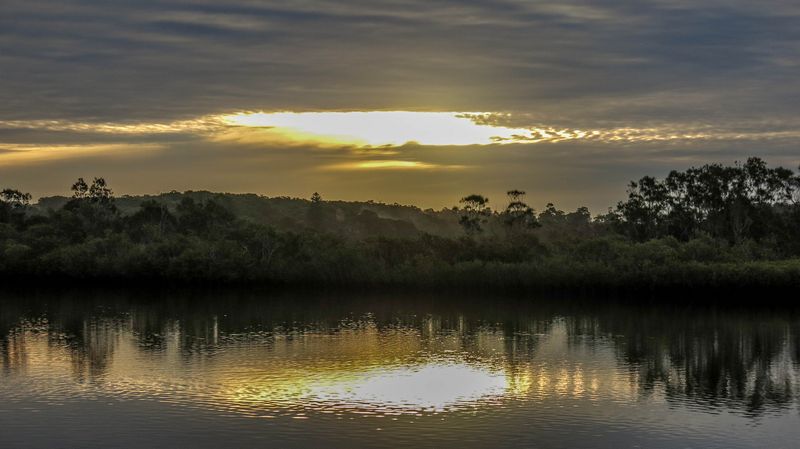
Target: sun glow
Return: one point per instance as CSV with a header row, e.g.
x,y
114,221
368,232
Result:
x,y
433,386
380,128
388,164
380,131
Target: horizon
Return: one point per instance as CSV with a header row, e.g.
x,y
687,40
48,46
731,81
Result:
x,y
495,206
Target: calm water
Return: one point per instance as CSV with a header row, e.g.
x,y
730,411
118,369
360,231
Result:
x,y
299,370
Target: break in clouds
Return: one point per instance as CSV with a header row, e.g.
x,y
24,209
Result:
x,y
575,97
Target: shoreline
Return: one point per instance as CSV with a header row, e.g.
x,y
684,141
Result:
x,y
692,282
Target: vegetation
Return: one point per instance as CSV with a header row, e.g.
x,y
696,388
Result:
x,y
706,227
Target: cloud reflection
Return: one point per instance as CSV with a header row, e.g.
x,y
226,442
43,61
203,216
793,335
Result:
x,y
366,366
429,387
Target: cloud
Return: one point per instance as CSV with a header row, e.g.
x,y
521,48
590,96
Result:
x,y
195,126
169,59
385,130
16,155
601,92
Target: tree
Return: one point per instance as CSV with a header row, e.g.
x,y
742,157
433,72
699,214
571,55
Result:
x,y
152,214
100,192
518,216
316,197
734,203
93,206
80,189
14,198
645,208
12,206
97,192
474,212
208,218
551,215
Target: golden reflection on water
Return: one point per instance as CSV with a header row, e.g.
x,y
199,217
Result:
x,y
431,387
390,371
325,371
357,367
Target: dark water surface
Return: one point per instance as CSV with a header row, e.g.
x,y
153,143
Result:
x,y
240,370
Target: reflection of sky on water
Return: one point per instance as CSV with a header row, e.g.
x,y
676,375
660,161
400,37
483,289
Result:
x,y
551,370
429,387
361,369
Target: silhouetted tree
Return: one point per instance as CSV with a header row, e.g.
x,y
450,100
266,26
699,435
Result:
x,y
518,216
735,203
100,192
91,209
13,204
15,198
80,189
474,211
551,215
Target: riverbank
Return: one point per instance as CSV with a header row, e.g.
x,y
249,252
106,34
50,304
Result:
x,y
693,281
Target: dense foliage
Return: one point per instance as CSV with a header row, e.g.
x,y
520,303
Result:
x,y
747,201
707,226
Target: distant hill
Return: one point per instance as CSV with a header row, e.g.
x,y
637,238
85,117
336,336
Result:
x,y
354,219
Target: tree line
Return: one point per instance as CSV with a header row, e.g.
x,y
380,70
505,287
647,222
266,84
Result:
x,y
710,225
746,201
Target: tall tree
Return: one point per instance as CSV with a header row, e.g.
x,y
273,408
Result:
x,y
518,216
474,210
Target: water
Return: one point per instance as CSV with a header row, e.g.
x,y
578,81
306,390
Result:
x,y
217,369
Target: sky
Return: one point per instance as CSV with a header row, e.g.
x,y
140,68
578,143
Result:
x,y
410,101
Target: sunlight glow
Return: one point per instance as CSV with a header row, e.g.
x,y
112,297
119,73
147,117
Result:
x,y
381,128
433,387
384,130
392,165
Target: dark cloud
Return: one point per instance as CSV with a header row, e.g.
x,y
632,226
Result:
x,y
167,58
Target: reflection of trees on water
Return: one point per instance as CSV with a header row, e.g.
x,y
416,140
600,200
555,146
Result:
x,y
708,358
702,357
